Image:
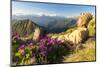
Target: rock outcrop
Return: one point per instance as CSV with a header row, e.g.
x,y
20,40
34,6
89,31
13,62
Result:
x,y
81,33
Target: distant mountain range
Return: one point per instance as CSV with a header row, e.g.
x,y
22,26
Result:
x,y
51,24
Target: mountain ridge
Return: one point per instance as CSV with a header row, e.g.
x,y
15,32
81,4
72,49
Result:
x,y
24,27
50,23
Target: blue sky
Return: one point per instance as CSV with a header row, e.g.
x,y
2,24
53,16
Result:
x,y
29,8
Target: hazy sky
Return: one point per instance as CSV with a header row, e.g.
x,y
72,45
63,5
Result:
x,y
29,8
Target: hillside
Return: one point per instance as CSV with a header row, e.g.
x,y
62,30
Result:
x,y
85,54
24,27
77,43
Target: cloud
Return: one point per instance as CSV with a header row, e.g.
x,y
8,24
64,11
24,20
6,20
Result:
x,y
27,12
46,14
21,12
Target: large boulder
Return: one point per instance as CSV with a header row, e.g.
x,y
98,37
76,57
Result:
x,y
78,36
36,34
81,33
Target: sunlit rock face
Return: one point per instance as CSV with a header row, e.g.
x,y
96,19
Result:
x,y
84,19
36,34
81,33
78,36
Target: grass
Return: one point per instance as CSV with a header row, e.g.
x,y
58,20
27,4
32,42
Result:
x,y
91,27
86,54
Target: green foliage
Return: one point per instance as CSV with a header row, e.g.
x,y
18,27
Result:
x,y
57,53
15,45
91,27
45,51
22,58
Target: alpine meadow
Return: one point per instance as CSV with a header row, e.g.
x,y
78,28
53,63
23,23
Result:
x,y
51,33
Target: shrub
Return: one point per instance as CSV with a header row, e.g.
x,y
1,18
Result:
x,y
46,50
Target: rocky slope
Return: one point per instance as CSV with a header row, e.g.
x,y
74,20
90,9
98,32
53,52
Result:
x,y
26,29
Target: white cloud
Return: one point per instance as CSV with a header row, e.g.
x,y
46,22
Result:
x,y
21,12
46,14
27,12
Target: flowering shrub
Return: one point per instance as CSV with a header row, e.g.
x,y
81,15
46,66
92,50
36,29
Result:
x,y
15,36
45,50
